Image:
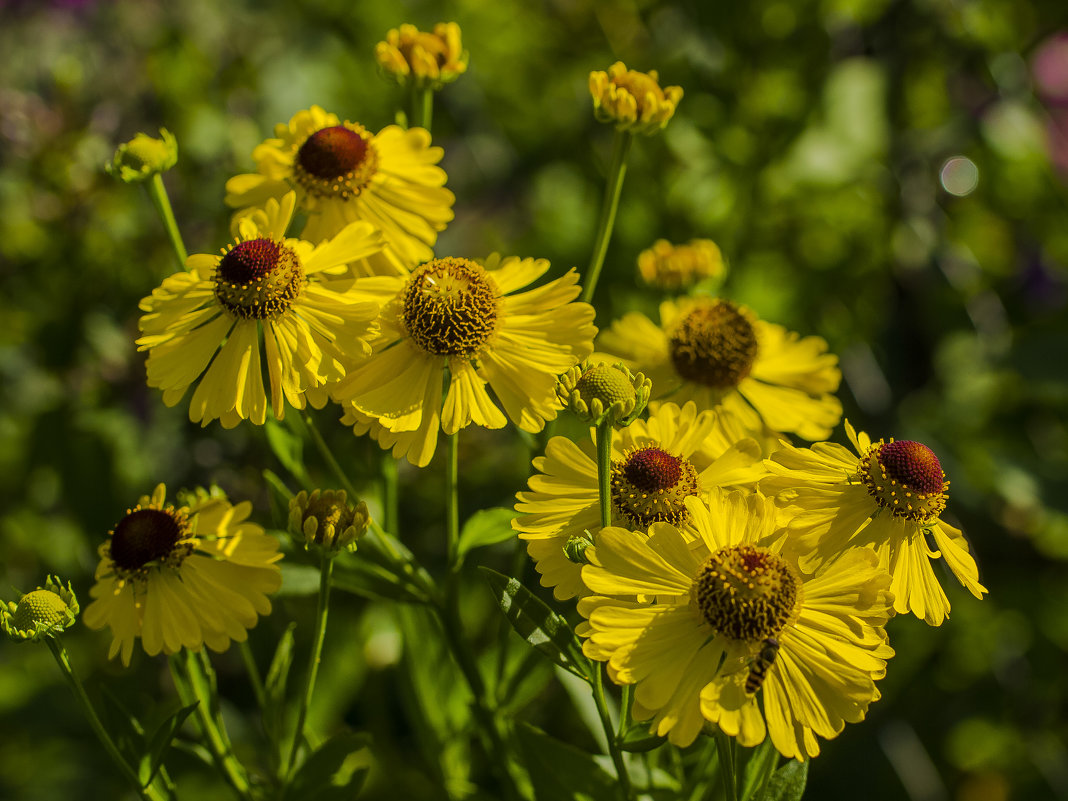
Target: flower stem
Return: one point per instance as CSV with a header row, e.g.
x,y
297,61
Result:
x,y
452,500
328,456
158,192
60,653
616,172
604,470
625,791
726,764
194,683
422,107
326,568
390,498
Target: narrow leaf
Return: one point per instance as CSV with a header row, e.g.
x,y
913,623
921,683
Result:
x,y
788,783
536,623
486,527
288,448
323,776
369,580
160,742
759,768
559,770
638,739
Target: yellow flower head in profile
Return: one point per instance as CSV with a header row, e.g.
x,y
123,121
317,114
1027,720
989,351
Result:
x,y
717,353
634,101
466,320
888,496
265,299
183,577
425,59
656,465
734,620
342,173
675,267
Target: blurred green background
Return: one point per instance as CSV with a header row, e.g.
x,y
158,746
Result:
x,y
892,175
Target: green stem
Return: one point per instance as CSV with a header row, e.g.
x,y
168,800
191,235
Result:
x,y
422,107
390,497
624,709
253,675
625,791
452,500
609,206
698,779
328,456
604,471
726,764
326,569
158,192
194,684
60,653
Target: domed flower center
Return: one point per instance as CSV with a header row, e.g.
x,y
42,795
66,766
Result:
x,y
147,536
450,307
650,485
747,593
639,85
714,345
607,384
40,607
336,162
258,278
906,478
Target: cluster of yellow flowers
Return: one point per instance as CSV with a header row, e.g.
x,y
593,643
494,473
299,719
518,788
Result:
x,y
743,582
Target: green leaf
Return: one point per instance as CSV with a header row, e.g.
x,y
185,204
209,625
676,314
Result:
x,y
288,448
324,776
559,770
536,623
759,767
368,580
123,726
638,739
159,742
788,783
486,527
274,690
299,579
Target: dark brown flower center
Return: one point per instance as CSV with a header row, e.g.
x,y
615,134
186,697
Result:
x,y
258,278
649,486
747,593
145,536
450,307
912,464
331,152
714,345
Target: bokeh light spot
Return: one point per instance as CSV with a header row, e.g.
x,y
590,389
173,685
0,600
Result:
x,y
959,176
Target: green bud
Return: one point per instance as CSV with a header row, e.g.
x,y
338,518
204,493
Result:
x,y
598,392
143,156
43,612
575,549
325,518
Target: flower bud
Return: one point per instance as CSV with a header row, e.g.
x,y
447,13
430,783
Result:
x,y
634,101
676,267
325,518
143,156
599,392
423,59
575,549
43,612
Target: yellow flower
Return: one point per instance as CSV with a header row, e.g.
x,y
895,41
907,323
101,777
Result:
x,y
426,59
675,267
889,496
343,173
456,317
656,465
633,100
208,322
735,619
183,577
714,352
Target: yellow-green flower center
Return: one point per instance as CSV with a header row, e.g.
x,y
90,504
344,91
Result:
x,y
906,478
147,537
450,307
747,593
650,485
714,345
258,278
607,384
40,607
337,161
